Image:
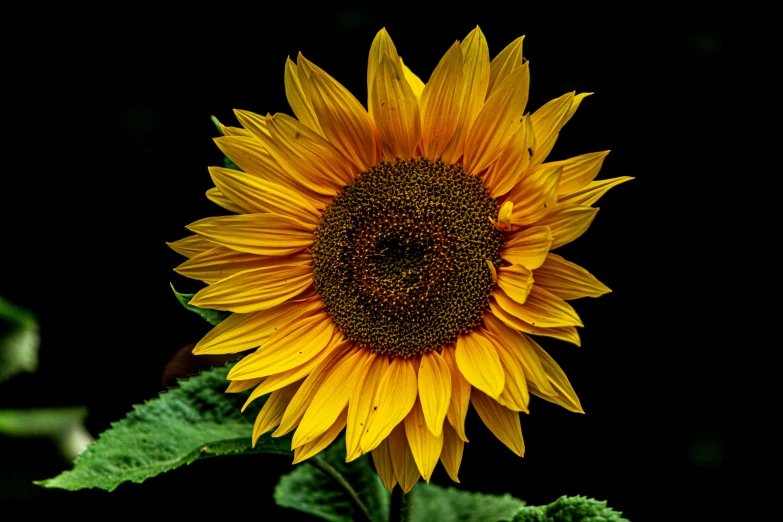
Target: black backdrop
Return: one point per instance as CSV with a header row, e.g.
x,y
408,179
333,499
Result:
x,y
112,140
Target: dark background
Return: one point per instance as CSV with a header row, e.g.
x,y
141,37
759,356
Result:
x,y
112,139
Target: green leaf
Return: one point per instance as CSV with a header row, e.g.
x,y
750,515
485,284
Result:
x,y
213,317
226,162
570,509
311,490
218,125
192,421
19,340
230,164
17,315
431,502
63,425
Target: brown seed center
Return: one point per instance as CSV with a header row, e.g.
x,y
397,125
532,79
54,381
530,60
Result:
x,y
400,256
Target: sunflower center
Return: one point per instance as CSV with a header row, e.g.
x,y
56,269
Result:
x,y
400,256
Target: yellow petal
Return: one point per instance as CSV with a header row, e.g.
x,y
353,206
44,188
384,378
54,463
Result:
x,y
240,332
295,344
501,65
504,216
331,397
312,448
414,81
434,390
534,196
235,131
575,105
528,248
307,156
405,469
515,395
360,403
521,346
382,47
381,456
441,104
593,191
300,104
516,281
501,421
565,395
492,271
497,122
550,119
272,412
513,160
395,111
555,399
304,69
578,171
220,262
304,396
250,155
344,121
396,394
460,395
451,454
474,91
479,363
261,234
540,309
568,222
254,123
425,446
258,196
547,122
501,304
279,380
191,246
217,197
257,289
240,386
568,280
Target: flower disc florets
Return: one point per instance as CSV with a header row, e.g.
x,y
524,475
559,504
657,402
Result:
x,y
400,256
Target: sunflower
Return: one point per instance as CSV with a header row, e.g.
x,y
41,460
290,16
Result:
x,y
388,264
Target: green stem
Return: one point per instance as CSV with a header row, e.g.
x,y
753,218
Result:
x,y
401,507
337,477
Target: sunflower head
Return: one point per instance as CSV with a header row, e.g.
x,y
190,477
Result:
x,y
386,266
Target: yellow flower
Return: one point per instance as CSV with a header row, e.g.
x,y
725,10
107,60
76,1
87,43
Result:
x,y
387,264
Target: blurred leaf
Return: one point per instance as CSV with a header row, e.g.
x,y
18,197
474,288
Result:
x,y
310,490
431,502
16,314
213,317
570,509
19,340
195,420
64,425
